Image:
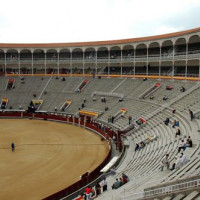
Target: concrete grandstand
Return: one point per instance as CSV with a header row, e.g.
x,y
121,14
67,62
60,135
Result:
x,y
133,76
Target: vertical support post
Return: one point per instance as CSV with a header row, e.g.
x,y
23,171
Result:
x,y
19,63
45,63
83,64
96,63
199,68
58,62
32,62
134,63
186,62
147,63
121,62
5,65
160,61
108,63
71,62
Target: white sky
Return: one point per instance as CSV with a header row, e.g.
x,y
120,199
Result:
x,y
43,21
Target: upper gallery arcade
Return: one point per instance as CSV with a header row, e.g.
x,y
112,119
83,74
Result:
x,y
175,54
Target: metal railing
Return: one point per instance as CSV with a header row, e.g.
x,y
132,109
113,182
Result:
x,y
163,190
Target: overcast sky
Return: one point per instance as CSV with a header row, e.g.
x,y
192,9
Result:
x,y
50,21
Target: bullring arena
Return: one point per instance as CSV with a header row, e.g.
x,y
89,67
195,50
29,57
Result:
x,y
48,155
124,105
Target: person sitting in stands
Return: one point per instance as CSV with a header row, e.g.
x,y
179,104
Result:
x,y
184,159
173,110
151,97
167,121
176,164
116,184
136,147
106,108
178,132
181,146
182,89
121,99
175,123
121,182
169,87
89,192
165,98
125,178
165,162
189,142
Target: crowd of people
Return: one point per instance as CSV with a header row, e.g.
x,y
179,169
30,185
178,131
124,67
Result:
x,y
179,161
120,181
93,192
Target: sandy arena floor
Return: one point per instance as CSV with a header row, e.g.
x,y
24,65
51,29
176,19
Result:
x,y
49,156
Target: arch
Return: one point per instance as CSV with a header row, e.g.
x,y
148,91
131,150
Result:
x,y
115,52
141,50
64,54
52,54
102,52
25,54
154,49
77,53
180,46
194,44
12,54
38,54
167,47
2,54
90,53
128,51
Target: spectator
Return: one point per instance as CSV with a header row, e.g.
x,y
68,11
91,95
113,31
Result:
x,y
84,100
106,108
116,184
89,193
184,160
165,98
136,147
165,162
167,121
175,123
129,120
125,178
176,164
173,110
98,189
121,99
191,115
104,185
182,89
112,171
121,182
151,97
181,146
190,141
178,132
